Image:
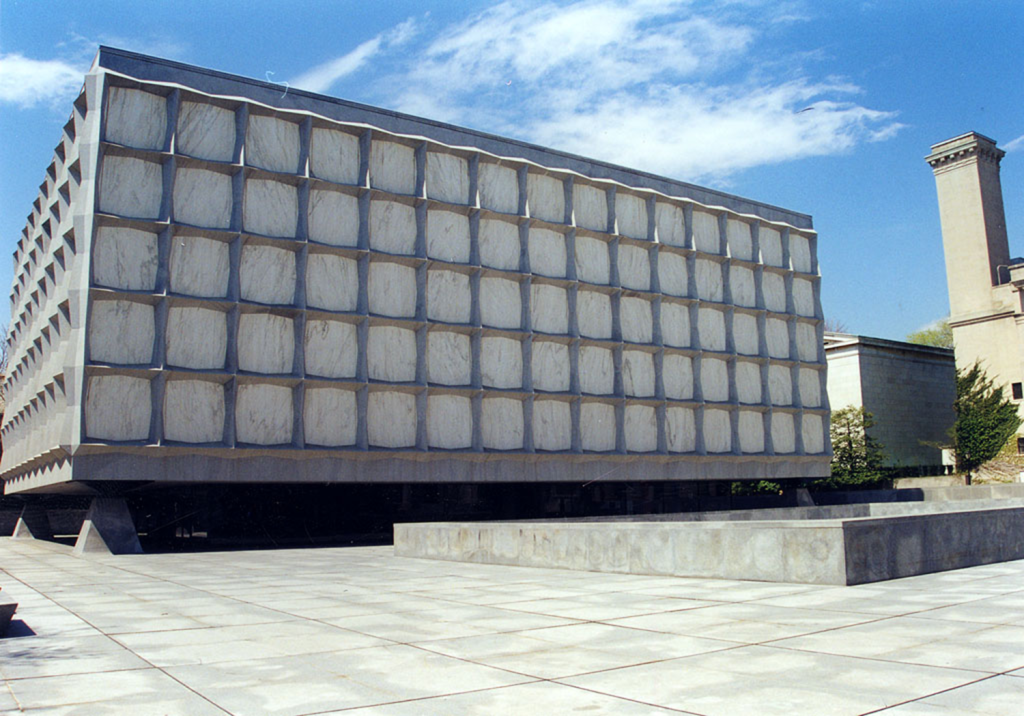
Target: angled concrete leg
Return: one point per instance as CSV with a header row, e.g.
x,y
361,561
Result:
x,y
34,523
108,529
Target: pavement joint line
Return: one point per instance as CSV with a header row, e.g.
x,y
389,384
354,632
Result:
x,y
10,680
626,698
14,698
420,698
928,696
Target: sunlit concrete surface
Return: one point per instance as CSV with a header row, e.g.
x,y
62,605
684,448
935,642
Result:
x,y
318,631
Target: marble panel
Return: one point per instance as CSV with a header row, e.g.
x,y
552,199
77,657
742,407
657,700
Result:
x,y
392,227
267,274
641,428
638,373
590,207
597,427
501,362
549,308
329,417
631,215
705,232
675,325
636,320
803,297
202,198
205,131
272,143
270,208
745,336
117,407
714,379
498,187
672,274
799,252
392,167
333,218
499,244
334,155
680,429
448,236
677,375
552,425
751,430
124,258
711,326
807,342
392,289
332,282
670,223
547,252
741,243
741,286
263,414
449,422
777,337
135,118
447,178
450,358
391,354
748,383
634,267
813,434
709,280
131,187
121,332
717,431
196,338
331,349
501,422
391,419
501,302
783,433
200,266
592,261
448,296
546,197
780,384
549,366
770,241
193,411
597,370
266,343
594,314
773,286
810,388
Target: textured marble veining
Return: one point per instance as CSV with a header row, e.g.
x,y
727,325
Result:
x,y
741,243
135,118
266,343
333,218
205,131
751,430
807,342
597,370
498,187
813,434
392,289
118,407
631,215
780,384
594,314
449,422
124,258
741,285
501,362
773,286
122,332
202,198
448,236
777,337
800,252
550,366
634,267
499,244
709,280
448,296
501,423
501,303
263,414
329,417
545,197
672,274
447,178
196,337
717,431
770,242
272,143
547,252
810,388
745,336
803,297
392,227
638,373
748,382
677,375
391,354
331,349
592,261
267,274
332,282
131,187
636,319
641,428
552,425
597,427
590,207
783,433
270,208
711,327
549,308
450,358
392,167
714,379
680,429
675,324
670,223
706,235
199,266
334,155
391,419
193,411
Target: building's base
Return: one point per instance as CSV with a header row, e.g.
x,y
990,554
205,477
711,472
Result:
x,y
108,529
34,523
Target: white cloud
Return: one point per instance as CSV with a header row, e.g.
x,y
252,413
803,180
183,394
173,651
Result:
x,y
321,77
1014,144
26,82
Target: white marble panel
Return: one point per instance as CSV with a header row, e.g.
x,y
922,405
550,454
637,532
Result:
x,y
549,366
677,375
741,285
590,206
391,419
634,267
448,236
266,343
547,252
136,118
770,241
641,428
196,337
680,429
118,407
124,258
272,143
501,423
675,325
638,373
205,131
392,227
449,422
807,343
200,266
332,282
329,417
672,274
714,379
594,314
705,232
202,198
121,332
449,358
810,388
783,433
392,289
447,178
773,286
549,308
813,434
597,370
270,208
501,302
709,280
748,382
392,167
546,197
334,155
597,427
803,297
552,425
744,334
751,430
448,296
498,187
592,262
799,252
263,414
631,215
194,411
333,218
780,384
777,338
391,354
670,222
131,187
636,320
717,431
711,325
332,349
501,362
267,274
499,244
741,243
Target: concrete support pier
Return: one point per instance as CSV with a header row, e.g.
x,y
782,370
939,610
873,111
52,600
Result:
x,y
108,529
34,523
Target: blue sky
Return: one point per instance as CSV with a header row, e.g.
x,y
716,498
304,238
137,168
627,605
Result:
x,y
710,93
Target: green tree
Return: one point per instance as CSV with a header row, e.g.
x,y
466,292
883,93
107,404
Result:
x,y
985,420
857,458
939,334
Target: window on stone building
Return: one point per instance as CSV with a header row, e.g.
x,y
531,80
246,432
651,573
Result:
x,y
1020,446
1018,391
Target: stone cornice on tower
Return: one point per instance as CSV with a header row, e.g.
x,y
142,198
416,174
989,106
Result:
x,y
964,148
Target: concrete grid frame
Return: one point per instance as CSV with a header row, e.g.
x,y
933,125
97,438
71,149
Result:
x,y
221,282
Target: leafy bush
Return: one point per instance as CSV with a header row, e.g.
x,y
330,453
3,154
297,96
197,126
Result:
x,y
857,460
